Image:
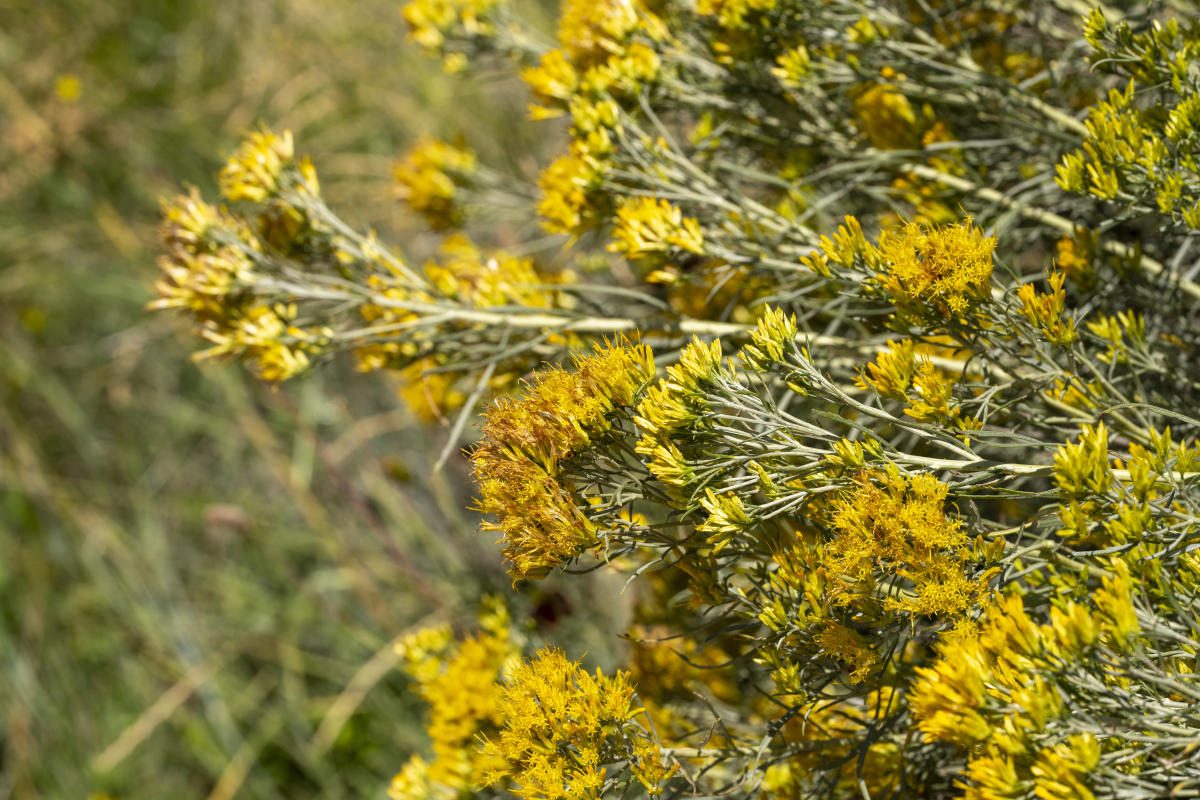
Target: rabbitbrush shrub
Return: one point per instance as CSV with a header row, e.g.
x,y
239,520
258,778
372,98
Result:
x,y
861,335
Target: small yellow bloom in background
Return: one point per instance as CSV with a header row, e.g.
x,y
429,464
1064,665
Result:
x,y
644,226
793,67
428,177
431,21
68,87
849,648
565,185
733,14
264,165
887,117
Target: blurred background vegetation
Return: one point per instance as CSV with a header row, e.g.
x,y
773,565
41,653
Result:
x,y
201,576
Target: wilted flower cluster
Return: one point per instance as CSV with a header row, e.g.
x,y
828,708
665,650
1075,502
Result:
x,y
875,370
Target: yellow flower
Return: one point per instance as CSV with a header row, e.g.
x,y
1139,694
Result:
x,y
1062,771
430,22
526,443
793,67
848,647
263,337
258,169
947,268
773,336
458,681
726,518
565,185
645,225
563,726
1045,311
733,14
592,30
201,266
428,177
887,117
891,373
893,525
553,81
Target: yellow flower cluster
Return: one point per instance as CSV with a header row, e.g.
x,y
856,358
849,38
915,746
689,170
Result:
x,y
600,63
773,337
565,186
264,336
1099,511
900,373
1076,256
849,647
1121,333
844,249
793,67
995,693
1142,152
672,404
591,30
1045,310
427,179
199,272
944,269
564,726
431,21
733,14
208,268
264,165
947,268
887,117
893,530
646,226
527,442
460,684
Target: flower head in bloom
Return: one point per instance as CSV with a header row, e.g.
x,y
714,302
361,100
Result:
x,y
645,225
900,373
947,268
592,30
994,692
430,22
204,261
527,442
673,403
427,179
459,682
565,186
1045,310
772,338
564,727
887,117
895,525
264,165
